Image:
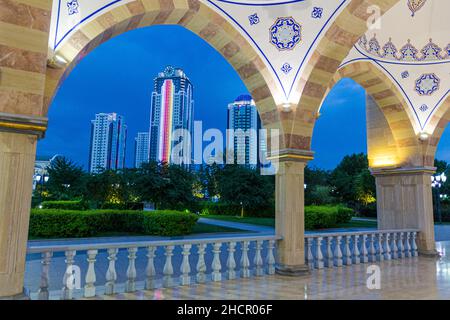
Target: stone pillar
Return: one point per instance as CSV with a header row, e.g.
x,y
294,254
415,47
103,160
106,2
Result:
x,y
404,201
290,215
18,136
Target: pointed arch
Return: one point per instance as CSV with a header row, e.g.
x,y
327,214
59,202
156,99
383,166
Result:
x,y
195,16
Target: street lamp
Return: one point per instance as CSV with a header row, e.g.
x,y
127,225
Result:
x,y
41,179
437,182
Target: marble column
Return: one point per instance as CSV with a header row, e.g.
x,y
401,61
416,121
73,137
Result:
x,y
290,215
404,201
18,136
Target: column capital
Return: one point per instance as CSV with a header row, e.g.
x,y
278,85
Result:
x,y
292,155
402,171
24,124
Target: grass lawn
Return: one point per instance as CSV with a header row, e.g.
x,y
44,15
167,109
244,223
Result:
x,y
270,222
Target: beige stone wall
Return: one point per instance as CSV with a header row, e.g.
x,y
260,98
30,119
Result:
x,y
17,154
404,200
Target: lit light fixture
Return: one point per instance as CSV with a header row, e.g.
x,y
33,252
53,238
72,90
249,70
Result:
x,y
57,62
423,136
287,107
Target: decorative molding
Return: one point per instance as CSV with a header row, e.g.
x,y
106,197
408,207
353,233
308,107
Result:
x,y
23,124
415,5
408,52
400,171
291,155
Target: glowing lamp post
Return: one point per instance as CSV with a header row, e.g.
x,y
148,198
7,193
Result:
x,y
437,182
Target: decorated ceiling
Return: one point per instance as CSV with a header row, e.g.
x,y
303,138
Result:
x,y
411,44
412,47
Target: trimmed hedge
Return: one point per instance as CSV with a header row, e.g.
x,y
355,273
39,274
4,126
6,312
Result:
x,y
65,205
53,223
226,209
321,217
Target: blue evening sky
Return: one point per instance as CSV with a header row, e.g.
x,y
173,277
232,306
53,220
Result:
x,y
118,77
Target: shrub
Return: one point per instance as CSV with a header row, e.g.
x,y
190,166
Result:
x,y
168,223
321,217
53,223
65,205
220,208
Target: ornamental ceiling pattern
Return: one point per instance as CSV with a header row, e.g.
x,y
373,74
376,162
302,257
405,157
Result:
x,y
283,32
415,56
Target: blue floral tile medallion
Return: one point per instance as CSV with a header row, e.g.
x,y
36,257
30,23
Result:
x,y
285,33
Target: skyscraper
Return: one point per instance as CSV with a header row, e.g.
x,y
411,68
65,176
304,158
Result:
x,y
108,142
140,149
172,108
245,142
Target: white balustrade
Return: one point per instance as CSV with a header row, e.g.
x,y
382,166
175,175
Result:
x,y
89,288
321,250
43,289
359,247
111,274
130,285
185,278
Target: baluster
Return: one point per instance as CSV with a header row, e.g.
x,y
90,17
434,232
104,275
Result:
x,y
407,245
270,260
258,261
168,268
201,265
43,289
89,288
347,252
231,263
319,254
401,248
245,262
130,284
216,266
69,279
394,251
111,274
309,257
380,247
356,255
185,269
387,247
150,271
414,244
329,253
364,253
372,257
338,252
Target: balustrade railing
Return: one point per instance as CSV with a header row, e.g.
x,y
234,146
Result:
x,y
338,249
128,267
149,265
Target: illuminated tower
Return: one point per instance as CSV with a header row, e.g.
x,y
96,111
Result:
x,y
172,108
108,142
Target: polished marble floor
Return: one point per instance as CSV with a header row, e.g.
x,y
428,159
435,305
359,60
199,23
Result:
x,y
412,278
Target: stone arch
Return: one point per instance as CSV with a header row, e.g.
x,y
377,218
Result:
x,y
436,126
191,14
332,49
392,139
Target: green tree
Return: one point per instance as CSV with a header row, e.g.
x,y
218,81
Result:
x,y
238,184
350,178
66,180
